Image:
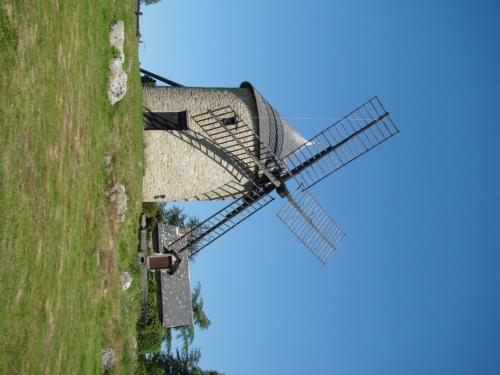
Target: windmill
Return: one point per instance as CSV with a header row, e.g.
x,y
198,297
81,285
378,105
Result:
x,y
287,176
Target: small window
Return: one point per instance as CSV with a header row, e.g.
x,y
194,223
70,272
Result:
x,y
166,120
229,121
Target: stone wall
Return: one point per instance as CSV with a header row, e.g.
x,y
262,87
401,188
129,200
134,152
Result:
x,y
186,165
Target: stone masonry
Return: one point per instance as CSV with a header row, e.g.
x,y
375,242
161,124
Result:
x,y
185,165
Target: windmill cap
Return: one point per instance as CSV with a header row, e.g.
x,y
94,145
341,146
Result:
x,y
274,131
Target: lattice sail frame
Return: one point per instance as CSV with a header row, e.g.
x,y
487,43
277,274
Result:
x,y
224,220
311,224
346,140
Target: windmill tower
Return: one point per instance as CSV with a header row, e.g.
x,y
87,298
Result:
x,y
182,162
271,160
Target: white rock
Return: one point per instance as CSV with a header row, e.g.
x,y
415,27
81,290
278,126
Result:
x,y
115,66
117,34
118,188
108,359
125,280
118,196
117,87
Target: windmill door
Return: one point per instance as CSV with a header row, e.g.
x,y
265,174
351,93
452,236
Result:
x,y
160,262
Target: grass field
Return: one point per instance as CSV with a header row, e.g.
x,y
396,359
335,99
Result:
x,y
61,249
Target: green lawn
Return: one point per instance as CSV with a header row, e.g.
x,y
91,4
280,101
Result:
x,y
59,305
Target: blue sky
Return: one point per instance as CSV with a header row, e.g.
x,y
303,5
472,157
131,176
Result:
x,y
415,286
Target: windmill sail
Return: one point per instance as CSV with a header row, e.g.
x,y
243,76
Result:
x,y
352,136
355,134
224,220
311,224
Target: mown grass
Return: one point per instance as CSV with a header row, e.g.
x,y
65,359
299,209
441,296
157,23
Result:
x,y
61,249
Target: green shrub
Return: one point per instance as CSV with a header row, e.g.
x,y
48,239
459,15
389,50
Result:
x,y
150,334
115,53
149,339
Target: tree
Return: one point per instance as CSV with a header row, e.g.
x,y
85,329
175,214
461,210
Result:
x,y
179,363
149,2
174,216
187,336
199,316
200,319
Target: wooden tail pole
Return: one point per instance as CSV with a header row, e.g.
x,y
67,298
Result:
x,y
160,78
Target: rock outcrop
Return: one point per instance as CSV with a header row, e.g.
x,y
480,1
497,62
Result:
x,y
125,280
118,78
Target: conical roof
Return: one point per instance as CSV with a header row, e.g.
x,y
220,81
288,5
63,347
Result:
x,y
274,131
